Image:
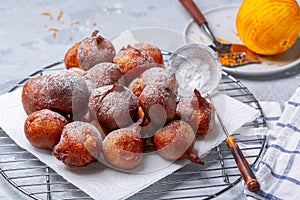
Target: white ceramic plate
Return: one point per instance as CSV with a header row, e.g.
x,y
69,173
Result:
x,y
222,22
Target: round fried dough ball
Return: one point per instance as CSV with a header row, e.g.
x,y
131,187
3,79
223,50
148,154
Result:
x,y
43,128
158,103
67,92
114,106
176,141
152,51
123,148
103,74
80,144
154,75
89,52
198,112
133,62
34,94
94,50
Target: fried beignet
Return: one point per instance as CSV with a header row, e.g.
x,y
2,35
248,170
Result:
x,y
133,62
114,106
154,75
34,94
176,141
80,144
196,111
103,74
89,52
152,51
43,128
94,50
158,104
123,148
67,92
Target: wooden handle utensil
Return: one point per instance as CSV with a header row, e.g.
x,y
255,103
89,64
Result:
x,y
246,171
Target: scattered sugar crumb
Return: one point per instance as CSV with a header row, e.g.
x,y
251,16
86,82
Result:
x,y
54,32
60,15
46,14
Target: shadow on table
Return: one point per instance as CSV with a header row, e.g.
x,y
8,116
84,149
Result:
x,y
294,71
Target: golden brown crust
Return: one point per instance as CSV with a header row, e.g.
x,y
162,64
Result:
x,y
152,51
158,103
173,140
200,115
34,94
80,144
123,148
154,75
113,106
71,57
43,128
89,52
67,92
133,62
94,50
137,86
104,74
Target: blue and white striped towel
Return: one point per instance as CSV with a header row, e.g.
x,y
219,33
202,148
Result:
x,y
279,170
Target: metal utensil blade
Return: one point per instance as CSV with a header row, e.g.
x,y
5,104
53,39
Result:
x,y
232,55
242,163
235,55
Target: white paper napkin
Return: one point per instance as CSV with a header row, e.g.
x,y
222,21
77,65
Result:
x,y
99,181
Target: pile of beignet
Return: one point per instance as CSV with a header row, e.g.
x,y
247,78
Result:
x,y
118,105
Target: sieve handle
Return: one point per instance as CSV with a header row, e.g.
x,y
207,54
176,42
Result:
x,y
191,7
246,171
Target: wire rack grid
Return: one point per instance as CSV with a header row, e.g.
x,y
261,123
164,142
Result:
x,y
220,173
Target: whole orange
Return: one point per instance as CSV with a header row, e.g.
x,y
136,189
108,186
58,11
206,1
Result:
x,y
268,27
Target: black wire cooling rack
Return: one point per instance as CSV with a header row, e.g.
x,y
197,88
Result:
x,y
220,173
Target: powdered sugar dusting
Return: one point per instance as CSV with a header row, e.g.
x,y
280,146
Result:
x,y
129,58
34,94
191,75
103,74
91,52
160,99
67,91
115,108
158,75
